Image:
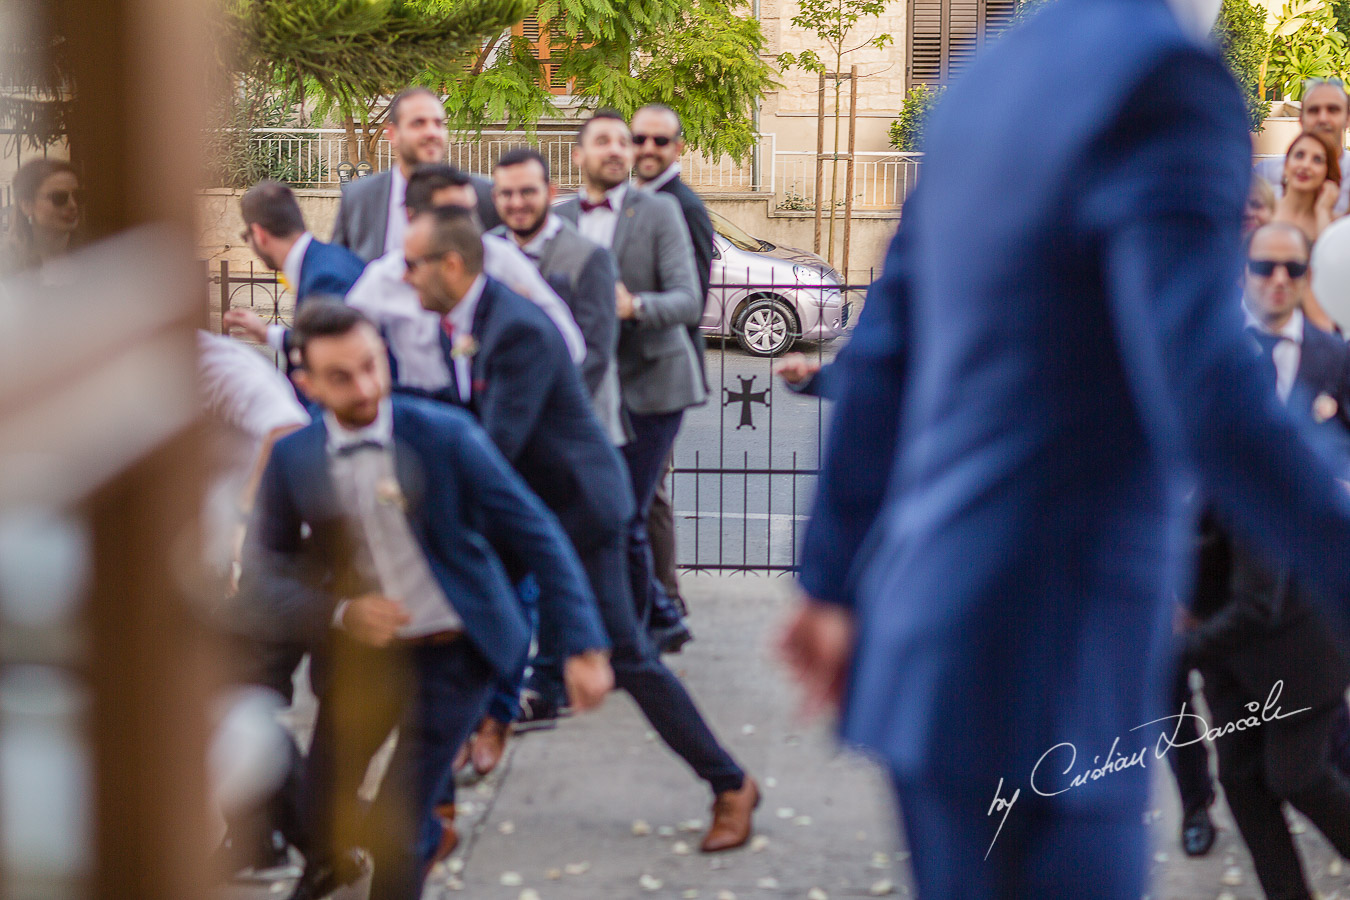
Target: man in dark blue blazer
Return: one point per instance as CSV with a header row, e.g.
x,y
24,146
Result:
x,y
373,542
509,366
274,229
1050,362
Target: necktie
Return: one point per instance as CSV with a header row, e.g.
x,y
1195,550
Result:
x,y
1267,343
447,336
357,446
588,206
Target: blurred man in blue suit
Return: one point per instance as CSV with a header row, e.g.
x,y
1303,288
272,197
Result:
x,y
1051,362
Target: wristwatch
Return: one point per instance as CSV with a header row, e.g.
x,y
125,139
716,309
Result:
x,y
637,306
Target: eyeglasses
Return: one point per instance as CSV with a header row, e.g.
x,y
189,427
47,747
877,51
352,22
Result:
x,y
1264,268
61,198
411,264
659,140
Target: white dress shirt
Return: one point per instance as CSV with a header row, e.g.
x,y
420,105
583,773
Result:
x,y
290,270
661,180
398,215
413,333
1288,352
461,317
599,224
534,248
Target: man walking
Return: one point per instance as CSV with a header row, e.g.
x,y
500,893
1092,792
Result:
x,y
371,540
509,367
657,303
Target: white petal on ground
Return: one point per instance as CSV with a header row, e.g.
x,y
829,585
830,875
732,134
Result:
x,y
650,883
1232,876
580,868
786,812
641,828
680,848
758,843
529,894
882,888
802,821
767,884
817,894
507,828
511,879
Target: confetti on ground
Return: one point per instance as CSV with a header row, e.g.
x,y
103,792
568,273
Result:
x,y
1232,876
725,895
786,812
1335,867
767,884
758,843
553,874
880,860
641,829
802,821
747,729
771,782
511,879
691,825
691,894
817,894
455,865
882,888
680,848
529,894
650,883
1160,857
580,868
507,828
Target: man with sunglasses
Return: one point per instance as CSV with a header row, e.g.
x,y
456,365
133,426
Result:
x,y
1325,111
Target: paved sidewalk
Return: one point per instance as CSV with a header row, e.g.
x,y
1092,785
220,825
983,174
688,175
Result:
x,y
598,809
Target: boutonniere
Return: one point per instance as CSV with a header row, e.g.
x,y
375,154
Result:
x,y
463,347
1324,408
388,493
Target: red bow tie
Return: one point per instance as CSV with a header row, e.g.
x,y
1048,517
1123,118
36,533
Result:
x,y
588,206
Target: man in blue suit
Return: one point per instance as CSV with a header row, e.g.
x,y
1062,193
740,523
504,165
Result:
x,y
374,542
274,229
1051,361
509,366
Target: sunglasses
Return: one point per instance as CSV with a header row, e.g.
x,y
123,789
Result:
x,y
659,140
61,198
1266,267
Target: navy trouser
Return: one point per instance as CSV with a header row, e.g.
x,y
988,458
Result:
x,y
646,455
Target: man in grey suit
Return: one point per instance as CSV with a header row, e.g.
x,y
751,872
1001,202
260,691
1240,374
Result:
x,y
371,218
657,300
579,270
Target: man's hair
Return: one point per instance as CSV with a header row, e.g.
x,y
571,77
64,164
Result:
x,y
272,205
1288,228
662,108
519,157
605,113
1311,84
405,94
426,180
456,230
1332,151
323,317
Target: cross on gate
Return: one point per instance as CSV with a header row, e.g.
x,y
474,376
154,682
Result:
x,y
745,397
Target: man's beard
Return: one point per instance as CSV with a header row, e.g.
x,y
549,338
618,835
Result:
x,y
598,178
533,228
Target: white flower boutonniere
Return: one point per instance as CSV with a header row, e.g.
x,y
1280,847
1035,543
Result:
x,y
463,347
388,493
1324,408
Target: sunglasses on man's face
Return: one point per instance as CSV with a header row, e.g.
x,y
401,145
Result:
x,y
1264,268
659,140
61,198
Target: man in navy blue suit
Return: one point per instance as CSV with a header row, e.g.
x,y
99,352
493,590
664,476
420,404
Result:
x,y
1050,363
274,229
509,366
373,542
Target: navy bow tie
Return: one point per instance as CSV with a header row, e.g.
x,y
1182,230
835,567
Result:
x,y
357,446
588,206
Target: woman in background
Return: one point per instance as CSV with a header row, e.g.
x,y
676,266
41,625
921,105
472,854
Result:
x,y
45,217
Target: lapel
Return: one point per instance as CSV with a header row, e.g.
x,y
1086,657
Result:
x,y
1316,367
380,213
478,364
315,493
622,226
412,479
570,209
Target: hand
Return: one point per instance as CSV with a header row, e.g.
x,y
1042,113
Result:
x,y
794,368
1328,195
374,619
623,302
588,678
817,645
248,322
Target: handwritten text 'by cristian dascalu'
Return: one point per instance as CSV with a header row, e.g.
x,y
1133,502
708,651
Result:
x,y
1051,774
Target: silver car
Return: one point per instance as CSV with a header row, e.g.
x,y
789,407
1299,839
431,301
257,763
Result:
x,y
769,297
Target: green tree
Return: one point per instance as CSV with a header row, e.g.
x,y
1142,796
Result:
x,y
907,131
703,59
1304,43
834,22
1241,34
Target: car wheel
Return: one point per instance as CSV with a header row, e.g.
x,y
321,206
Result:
x,y
766,327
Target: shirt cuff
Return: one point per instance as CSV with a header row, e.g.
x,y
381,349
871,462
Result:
x,y
337,613
276,337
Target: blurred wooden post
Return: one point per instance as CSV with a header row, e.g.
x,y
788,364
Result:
x,y
852,147
820,158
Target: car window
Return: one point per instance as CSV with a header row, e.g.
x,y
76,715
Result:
x,y
737,235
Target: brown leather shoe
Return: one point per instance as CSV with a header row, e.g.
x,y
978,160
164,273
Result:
x,y
489,743
449,835
731,815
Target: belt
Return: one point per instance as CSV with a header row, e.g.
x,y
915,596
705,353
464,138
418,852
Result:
x,y
435,639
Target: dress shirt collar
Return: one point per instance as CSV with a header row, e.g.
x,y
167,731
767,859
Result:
x,y
615,195
1292,330
295,259
462,315
670,174
534,247
381,431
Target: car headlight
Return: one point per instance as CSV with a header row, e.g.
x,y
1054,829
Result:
x,y
806,274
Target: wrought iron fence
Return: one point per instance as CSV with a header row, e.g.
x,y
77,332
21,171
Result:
x,y
746,462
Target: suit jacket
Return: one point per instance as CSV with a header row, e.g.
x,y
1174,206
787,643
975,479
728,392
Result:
x,y
363,213
659,369
462,498
530,400
1026,393
582,273
327,270
1324,371
701,235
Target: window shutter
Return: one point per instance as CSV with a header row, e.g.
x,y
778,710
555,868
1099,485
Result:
x,y
538,34
946,34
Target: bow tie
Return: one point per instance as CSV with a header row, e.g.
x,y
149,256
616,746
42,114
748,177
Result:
x,y
356,446
588,206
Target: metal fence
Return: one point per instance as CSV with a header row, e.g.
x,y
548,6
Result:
x,y
310,158
746,462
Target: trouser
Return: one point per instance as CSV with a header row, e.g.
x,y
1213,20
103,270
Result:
x,y
646,456
1281,760
1189,760
434,695
661,534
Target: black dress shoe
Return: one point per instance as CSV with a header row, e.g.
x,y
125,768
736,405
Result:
x,y
671,638
321,879
538,712
1197,832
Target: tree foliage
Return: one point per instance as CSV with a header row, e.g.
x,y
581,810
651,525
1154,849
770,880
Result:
x,y
1304,43
703,59
1241,35
907,131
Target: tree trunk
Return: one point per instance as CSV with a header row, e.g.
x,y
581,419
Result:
x,y
353,145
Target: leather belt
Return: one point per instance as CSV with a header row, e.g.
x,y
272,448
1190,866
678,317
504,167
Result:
x,y
435,639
